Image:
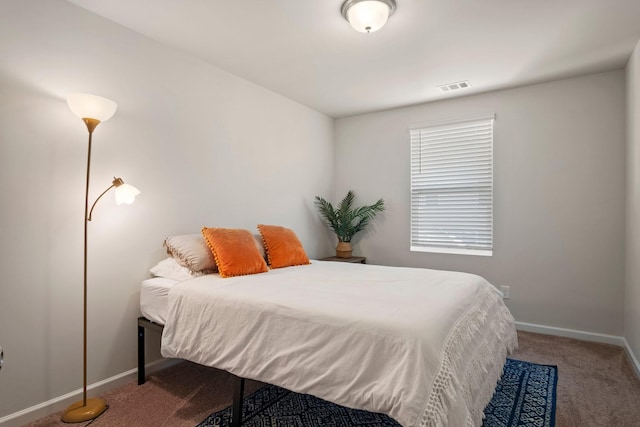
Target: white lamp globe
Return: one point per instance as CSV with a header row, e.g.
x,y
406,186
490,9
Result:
x,y
126,193
87,106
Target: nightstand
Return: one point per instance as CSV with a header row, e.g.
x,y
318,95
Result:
x,y
353,259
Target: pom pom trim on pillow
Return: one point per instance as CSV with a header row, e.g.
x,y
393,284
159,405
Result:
x,y
283,247
235,251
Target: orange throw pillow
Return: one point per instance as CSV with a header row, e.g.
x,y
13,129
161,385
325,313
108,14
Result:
x,y
235,251
283,247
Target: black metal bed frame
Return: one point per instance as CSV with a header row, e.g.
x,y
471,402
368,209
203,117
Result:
x,y
238,389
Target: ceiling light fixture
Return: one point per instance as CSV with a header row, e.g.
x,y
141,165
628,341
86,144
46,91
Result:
x,y
367,16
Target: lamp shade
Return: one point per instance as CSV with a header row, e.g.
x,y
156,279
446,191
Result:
x,y
367,16
126,193
87,106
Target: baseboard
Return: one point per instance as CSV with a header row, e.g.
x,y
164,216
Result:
x,y
632,358
572,333
61,402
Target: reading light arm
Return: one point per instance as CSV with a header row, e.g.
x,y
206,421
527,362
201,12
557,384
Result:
x,y
117,182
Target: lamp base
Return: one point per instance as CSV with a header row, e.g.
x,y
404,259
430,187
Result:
x,y
78,412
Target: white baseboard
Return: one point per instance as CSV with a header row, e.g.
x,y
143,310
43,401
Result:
x,y
632,358
585,336
571,333
61,402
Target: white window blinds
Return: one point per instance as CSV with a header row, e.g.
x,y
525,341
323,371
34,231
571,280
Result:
x,y
452,187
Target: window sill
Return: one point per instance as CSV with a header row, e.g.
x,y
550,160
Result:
x,y
454,251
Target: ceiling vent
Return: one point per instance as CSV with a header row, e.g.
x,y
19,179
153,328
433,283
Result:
x,y
454,86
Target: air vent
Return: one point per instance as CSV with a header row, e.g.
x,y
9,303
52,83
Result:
x,y
454,86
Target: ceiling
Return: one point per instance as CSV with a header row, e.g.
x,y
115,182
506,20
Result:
x,y
306,51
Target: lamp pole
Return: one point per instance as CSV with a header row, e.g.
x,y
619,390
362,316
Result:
x,y
87,409
91,125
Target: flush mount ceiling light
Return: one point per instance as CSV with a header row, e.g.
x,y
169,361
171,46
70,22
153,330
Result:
x,y
368,16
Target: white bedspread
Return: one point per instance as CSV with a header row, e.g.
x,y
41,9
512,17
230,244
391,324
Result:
x,y
426,347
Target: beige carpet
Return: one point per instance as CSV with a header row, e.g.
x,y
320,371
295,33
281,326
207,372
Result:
x,y
596,387
596,384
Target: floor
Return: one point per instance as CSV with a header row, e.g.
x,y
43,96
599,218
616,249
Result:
x,y
596,387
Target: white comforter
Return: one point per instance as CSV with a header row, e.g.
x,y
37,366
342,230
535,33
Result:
x,y
426,347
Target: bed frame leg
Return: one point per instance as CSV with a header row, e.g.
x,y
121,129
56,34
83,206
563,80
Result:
x,y
141,373
238,393
143,325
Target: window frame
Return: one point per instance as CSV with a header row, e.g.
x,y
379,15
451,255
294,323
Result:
x,y
466,248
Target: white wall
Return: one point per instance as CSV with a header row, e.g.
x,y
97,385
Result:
x,y
559,195
632,297
204,147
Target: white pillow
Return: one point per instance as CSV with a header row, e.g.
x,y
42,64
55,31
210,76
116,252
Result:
x,y
171,269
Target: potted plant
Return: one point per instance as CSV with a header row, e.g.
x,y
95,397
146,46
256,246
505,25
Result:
x,y
346,220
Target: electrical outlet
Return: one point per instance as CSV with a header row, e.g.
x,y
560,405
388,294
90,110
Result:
x,y
506,294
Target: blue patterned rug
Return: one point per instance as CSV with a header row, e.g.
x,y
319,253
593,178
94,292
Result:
x,y
525,397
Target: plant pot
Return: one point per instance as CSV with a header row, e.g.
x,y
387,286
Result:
x,y
343,250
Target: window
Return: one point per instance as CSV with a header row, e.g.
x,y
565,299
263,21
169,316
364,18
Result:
x,y
452,187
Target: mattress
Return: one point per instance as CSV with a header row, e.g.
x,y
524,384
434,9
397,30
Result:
x,y
154,294
426,347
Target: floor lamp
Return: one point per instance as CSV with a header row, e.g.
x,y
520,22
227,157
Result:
x,y
92,110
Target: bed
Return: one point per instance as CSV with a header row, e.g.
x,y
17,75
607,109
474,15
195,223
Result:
x,y
426,347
